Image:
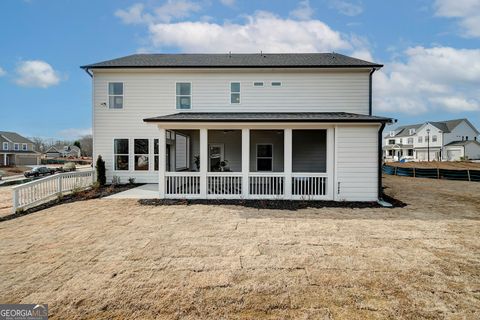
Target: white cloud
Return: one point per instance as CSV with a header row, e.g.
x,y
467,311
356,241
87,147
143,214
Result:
x,y
261,31
169,11
36,73
74,133
467,11
228,3
303,12
346,7
439,78
2,72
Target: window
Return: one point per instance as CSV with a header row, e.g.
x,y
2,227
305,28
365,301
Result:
x,y
115,95
410,141
434,138
390,153
466,138
140,147
391,141
155,155
258,84
16,146
121,154
401,140
410,152
411,131
5,146
184,95
24,146
264,157
276,84
392,133
420,140
235,92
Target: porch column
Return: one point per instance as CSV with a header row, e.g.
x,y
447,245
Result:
x,y
245,161
162,159
287,162
203,162
5,159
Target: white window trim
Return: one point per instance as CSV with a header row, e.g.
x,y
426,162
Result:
x,y
141,154
272,84
256,156
183,95
26,147
16,146
115,95
240,93
5,144
254,82
121,154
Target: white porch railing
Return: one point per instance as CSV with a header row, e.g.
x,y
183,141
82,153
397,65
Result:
x,y
182,184
309,186
224,185
35,192
269,185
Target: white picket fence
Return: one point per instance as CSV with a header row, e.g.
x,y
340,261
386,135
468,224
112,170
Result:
x,y
35,192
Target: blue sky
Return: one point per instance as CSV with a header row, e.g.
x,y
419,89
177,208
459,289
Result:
x,y
430,49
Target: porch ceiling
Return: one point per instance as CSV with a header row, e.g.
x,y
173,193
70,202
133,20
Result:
x,y
268,117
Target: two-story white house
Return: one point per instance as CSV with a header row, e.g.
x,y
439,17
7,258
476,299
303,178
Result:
x,y
450,140
246,126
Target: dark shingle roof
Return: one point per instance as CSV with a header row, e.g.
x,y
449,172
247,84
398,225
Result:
x,y
14,137
252,60
267,117
446,126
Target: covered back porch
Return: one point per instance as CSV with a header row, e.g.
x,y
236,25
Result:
x,y
246,161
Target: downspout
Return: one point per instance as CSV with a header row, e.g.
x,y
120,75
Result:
x,y
380,160
370,91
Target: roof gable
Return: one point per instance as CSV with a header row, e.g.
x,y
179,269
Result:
x,y
14,137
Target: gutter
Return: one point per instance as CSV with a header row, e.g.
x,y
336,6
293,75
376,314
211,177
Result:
x,y
370,91
87,70
380,158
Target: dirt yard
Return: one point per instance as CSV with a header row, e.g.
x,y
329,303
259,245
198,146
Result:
x,y
115,259
460,165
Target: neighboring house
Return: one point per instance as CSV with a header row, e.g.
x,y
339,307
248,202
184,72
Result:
x,y
449,140
249,126
17,150
63,151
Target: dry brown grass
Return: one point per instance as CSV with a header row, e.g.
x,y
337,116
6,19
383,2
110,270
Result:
x,y
438,164
115,259
12,171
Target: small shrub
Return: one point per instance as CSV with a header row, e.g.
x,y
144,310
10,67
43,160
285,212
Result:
x,y
101,176
131,180
69,166
96,185
115,180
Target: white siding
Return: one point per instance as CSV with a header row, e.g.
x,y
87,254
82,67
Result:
x,y
472,151
462,130
357,163
152,93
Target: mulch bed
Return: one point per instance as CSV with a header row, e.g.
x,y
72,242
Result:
x,y
73,197
291,205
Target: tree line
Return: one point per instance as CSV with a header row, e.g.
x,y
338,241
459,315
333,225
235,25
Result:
x,y
85,143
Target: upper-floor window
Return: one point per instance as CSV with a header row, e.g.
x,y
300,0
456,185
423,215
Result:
x,y
392,133
235,92
5,146
24,146
410,141
411,131
16,146
276,84
401,140
258,84
391,141
184,95
434,138
115,95
420,140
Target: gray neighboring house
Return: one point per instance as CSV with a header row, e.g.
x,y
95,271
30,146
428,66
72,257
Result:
x,y
63,151
17,150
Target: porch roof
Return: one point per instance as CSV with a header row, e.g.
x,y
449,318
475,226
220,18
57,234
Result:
x,y
268,117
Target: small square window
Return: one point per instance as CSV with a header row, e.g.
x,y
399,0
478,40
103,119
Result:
x,y
258,84
276,84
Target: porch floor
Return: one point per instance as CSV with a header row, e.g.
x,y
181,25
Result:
x,y
146,191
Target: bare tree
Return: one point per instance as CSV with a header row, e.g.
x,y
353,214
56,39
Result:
x,y
87,145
